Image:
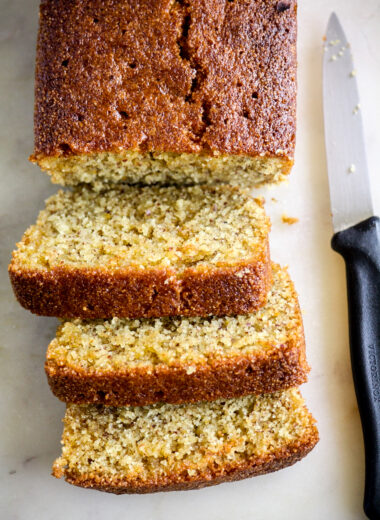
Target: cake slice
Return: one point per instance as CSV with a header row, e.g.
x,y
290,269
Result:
x,y
145,252
170,447
123,362
166,91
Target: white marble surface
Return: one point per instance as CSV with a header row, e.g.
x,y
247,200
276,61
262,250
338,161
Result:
x,y
328,483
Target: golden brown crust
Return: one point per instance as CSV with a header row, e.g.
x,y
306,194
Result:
x,y
226,83
214,475
281,368
149,293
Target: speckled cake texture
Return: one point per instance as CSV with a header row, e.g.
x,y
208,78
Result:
x,y
170,447
122,362
142,252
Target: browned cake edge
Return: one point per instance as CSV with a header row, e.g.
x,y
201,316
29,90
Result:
x,y
214,475
275,29
279,369
146,293
42,159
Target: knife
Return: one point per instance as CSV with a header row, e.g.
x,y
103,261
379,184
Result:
x,y
357,239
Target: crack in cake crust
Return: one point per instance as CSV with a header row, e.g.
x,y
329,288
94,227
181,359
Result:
x,y
221,95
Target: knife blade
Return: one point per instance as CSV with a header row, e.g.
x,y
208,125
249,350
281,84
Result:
x,y
346,157
357,239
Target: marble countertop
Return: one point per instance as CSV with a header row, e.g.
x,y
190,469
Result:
x,y
328,484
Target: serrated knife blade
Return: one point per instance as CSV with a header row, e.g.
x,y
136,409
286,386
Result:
x,y
349,182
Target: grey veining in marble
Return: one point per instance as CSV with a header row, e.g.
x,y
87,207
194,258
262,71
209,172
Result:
x,y
328,483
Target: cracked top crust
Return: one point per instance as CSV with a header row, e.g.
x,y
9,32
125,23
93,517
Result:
x,y
188,76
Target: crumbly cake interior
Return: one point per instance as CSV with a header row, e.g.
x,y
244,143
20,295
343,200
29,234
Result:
x,y
102,169
117,344
146,228
157,441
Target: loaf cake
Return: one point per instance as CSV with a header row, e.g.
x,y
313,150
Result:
x,y
123,362
169,447
170,91
145,252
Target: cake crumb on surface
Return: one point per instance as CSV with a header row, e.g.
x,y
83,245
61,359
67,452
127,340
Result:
x,y
289,220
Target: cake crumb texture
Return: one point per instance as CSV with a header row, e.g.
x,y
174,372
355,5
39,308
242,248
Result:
x,y
163,447
145,252
138,362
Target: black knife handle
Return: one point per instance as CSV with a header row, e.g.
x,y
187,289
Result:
x,y
360,248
